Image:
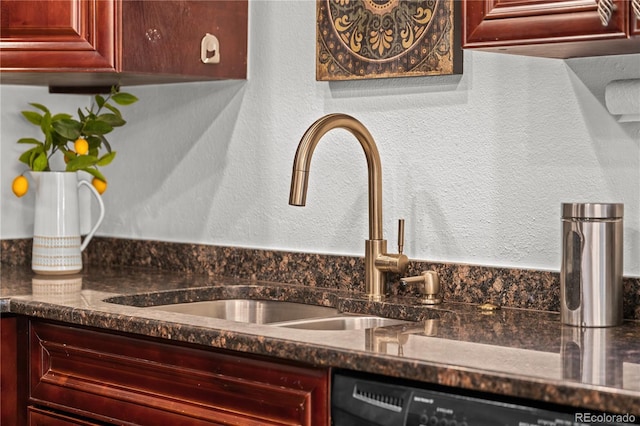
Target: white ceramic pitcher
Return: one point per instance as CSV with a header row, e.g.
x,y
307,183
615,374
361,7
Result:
x,y
57,245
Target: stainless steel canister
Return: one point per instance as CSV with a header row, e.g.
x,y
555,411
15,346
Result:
x,y
591,272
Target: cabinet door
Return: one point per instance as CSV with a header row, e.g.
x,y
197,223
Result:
x,y
121,379
549,28
12,371
54,35
73,44
165,38
8,370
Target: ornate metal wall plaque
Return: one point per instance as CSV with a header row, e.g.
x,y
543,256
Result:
x,y
359,39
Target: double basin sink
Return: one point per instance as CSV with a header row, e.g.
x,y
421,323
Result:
x,y
279,314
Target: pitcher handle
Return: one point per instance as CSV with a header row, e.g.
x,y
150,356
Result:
x,y
100,217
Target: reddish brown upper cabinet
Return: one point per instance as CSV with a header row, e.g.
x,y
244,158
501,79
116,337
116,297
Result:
x,y
549,28
79,43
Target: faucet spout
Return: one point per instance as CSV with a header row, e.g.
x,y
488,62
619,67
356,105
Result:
x,y
302,164
377,261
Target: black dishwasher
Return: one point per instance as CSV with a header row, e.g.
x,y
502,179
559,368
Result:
x,y
368,400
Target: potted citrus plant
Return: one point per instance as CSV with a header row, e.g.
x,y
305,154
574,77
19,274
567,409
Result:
x,y
80,140
57,240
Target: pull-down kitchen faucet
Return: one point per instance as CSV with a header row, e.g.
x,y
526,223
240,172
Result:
x,y
377,260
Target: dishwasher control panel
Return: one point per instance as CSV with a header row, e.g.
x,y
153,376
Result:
x,y
359,400
428,408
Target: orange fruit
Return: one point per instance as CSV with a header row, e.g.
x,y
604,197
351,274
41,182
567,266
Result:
x,y
99,184
81,146
20,186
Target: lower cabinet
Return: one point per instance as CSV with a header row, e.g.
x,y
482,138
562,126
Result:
x,y
13,384
8,369
81,376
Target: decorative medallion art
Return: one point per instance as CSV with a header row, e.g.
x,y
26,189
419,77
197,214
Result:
x,y
358,39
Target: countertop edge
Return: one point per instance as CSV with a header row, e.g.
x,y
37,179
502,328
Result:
x,y
561,392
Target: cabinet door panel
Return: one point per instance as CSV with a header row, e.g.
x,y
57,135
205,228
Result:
x,y
121,379
49,35
517,21
13,382
165,37
8,370
546,27
635,23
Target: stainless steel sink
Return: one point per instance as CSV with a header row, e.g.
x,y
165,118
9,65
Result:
x,y
279,314
345,322
251,311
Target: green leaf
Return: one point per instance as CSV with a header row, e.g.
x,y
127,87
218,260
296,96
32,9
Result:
x,y
94,142
100,101
40,107
30,140
68,128
32,157
48,140
81,162
24,158
112,119
113,109
124,98
33,117
81,115
28,155
45,124
57,140
106,159
95,173
61,116
96,127
40,163
106,143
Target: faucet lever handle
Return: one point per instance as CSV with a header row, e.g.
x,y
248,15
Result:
x,y
400,235
389,262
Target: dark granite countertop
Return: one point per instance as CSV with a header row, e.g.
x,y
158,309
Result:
x,y
512,352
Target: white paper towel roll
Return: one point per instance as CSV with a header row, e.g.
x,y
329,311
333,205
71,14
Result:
x,y
622,97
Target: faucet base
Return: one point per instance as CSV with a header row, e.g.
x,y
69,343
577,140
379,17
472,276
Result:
x,y
377,263
374,278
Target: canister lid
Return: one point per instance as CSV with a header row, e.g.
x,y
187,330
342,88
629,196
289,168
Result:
x,y
592,210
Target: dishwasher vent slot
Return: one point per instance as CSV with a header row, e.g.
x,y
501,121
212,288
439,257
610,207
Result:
x,y
378,399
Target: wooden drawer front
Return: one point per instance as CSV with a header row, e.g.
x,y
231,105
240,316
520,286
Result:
x,y
57,35
123,379
165,37
38,417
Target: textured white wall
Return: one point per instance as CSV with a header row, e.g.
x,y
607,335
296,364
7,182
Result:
x,y
477,164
